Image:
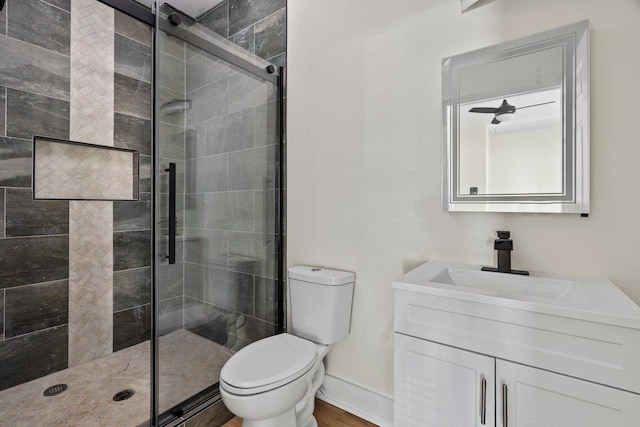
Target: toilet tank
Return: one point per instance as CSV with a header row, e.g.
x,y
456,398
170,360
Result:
x,y
321,303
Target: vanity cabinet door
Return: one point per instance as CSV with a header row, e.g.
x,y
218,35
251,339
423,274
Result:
x,y
530,397
438,385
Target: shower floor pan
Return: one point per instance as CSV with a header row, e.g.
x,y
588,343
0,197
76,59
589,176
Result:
x,y
188,365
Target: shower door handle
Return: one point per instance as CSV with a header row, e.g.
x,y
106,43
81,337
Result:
x,y
171,256
266,210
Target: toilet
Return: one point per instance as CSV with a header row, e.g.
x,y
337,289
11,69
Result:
x,y
272,382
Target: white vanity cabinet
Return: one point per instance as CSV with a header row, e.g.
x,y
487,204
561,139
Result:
x,y
536,398
438,385
470,359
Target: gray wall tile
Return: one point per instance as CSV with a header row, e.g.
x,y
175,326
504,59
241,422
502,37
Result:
x,y
246,91
32,69
217,19
131,288
131,327
230,210
259,209
173,46
145,174
246,329
132,97
271,35
2,215
132,59
29,114
62,4
208,102
248,168
172,71
132,28
207,174
196,141
33,260
41,24
265,299
133,133
266,124
32,356
254,257
194,276
131,249
3,21
170,313
279,61
28,217
1,314
171,139
15,162
206,320
206,247
229,289
35,307
243,13
196,72
195,211
132,215
245,38
221,287
170,280
3,109
231,132
167,95
218,68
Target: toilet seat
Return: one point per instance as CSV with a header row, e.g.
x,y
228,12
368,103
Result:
x,y
268,364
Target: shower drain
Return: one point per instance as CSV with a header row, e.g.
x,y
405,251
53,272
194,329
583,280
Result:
x,y
55,389
123,395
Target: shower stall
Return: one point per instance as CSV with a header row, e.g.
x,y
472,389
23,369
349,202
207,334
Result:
x,y
141,201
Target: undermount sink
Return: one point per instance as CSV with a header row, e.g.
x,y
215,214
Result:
x,y
511,286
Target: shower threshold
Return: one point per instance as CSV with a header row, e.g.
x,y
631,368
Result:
x,y
189,364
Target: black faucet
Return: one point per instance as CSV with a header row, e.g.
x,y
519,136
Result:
x,y
504,245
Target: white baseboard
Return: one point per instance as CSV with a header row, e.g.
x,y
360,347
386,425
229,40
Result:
x,y
359,401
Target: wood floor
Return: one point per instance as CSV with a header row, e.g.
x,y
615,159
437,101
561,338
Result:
x,y
326,415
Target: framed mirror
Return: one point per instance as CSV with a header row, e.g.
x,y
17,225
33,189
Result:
x,y
516,125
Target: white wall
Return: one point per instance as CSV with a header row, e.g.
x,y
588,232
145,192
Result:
x,y
473,159
528,161
364,152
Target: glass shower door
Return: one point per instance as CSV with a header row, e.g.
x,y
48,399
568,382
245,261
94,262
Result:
x,y
217,207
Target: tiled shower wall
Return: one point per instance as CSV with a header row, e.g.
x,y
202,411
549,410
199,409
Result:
x,y
34,235
230,148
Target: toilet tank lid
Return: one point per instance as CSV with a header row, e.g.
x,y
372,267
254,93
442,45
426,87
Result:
x,y
321,275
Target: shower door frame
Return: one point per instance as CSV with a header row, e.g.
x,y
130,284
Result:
x,y
270,73
149,17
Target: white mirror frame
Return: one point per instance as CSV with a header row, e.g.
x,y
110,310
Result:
x,y
574,39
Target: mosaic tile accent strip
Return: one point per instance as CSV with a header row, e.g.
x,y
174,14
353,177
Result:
x,y
92,68
91,223
90,281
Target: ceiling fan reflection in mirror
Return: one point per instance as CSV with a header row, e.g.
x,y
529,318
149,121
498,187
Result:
x,y
504,112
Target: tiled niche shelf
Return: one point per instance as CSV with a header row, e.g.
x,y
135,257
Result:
x,y
68,170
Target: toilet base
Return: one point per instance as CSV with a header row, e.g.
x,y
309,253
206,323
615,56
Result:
x,y
288,419
311,422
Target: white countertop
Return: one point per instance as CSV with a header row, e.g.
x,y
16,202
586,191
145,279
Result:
x,y
591,299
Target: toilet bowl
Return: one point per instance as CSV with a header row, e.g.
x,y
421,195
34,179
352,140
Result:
x,y
272,382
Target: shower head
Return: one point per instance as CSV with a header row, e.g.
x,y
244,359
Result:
x,y
176,106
